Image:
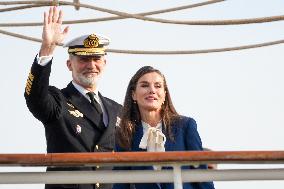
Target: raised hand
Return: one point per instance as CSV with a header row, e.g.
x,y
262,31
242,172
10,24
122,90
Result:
x,y
52,35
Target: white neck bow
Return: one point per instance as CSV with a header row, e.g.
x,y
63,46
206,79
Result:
x,y
153,138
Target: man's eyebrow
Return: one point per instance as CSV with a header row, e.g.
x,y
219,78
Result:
x,y
97,57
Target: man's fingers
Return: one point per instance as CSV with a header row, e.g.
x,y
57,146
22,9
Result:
x,y
45,19
59,21
50,13
55,14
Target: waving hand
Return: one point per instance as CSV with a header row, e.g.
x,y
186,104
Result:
x,y
52,34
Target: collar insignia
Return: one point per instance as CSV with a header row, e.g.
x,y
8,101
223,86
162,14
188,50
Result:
x,y
117,121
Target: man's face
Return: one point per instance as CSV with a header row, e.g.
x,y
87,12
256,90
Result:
x,y
86,70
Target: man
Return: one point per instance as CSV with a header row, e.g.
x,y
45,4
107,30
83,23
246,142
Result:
x,y
74,119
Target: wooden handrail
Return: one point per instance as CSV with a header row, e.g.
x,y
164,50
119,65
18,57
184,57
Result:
x,y
149,158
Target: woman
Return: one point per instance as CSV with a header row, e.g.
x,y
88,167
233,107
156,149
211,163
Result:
x,y
149,122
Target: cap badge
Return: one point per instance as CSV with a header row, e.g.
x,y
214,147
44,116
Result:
x,y
92,41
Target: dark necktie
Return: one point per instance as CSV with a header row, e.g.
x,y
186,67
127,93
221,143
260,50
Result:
x,y
94,102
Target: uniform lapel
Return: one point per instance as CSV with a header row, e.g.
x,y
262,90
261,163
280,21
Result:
x,y
81,103
112,119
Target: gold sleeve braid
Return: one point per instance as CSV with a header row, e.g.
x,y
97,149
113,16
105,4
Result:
x,y
29,83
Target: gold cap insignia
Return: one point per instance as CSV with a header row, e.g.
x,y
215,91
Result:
x,y
92,41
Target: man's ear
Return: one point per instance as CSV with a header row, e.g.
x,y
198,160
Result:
x,y
68,64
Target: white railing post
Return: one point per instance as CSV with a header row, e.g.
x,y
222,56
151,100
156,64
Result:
x,y
177,176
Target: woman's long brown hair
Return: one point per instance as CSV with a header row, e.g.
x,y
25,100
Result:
x,y
131,118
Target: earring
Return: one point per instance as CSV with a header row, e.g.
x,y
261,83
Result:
x,y
134,101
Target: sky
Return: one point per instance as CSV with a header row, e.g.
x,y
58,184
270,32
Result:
x,y
235,97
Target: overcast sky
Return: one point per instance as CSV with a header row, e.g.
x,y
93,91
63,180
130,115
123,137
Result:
x,y
235,97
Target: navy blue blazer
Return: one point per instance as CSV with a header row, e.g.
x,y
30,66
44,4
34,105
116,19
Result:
x,y
186,138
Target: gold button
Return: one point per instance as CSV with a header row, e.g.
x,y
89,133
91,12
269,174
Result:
x,y
98,185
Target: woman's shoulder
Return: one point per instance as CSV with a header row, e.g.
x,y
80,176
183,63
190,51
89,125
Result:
x,y
185,124
185,121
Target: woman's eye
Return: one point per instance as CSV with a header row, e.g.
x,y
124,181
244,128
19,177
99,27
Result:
x,y
158,86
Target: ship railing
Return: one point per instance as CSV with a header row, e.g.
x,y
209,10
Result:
x,y
176,160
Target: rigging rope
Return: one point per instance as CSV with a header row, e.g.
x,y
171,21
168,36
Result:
x,y
20,8
144,13
136,16
163,52
104,18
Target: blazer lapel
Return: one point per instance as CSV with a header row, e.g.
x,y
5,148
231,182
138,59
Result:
x,y
137,138
169,145
135,147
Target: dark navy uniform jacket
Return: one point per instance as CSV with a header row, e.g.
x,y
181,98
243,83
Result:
x,y
186,138
71,123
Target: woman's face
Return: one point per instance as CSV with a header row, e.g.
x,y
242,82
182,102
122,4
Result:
x,y
150,92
